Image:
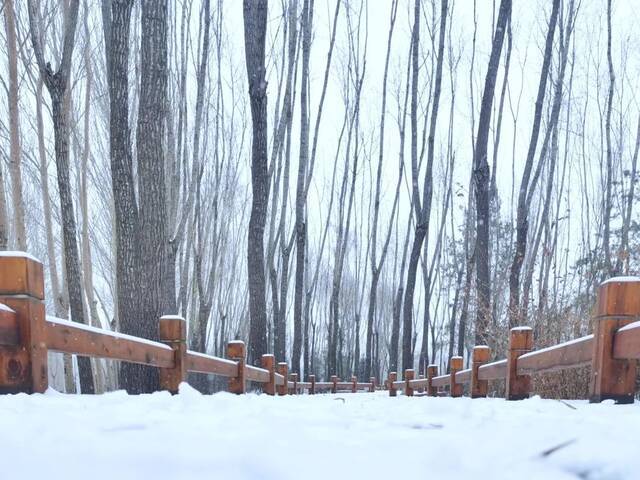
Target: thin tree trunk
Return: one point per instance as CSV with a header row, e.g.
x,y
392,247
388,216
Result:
x,y
481,177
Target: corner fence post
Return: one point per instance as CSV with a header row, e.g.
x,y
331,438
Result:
x,y
312,388
173,332
372,387
520,342
618,305
393,376
455,365
294,379
23,355
269,364
283,369
481,355
334,380
236,351
409,374
432,372
354,384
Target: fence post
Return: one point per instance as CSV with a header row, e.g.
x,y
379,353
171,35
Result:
x,y
354,384
481,355
283,369
334,380
173,332
520,342
432,371
455,365
618,304
312,389
236,351
269,363
294,379
23,360
372,388
393,376
409,374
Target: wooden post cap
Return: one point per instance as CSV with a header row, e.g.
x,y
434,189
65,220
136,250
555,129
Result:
x,y
22,274
236,349
618,305
619,296
520,342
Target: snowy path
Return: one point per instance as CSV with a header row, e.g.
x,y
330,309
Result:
x,y
115,436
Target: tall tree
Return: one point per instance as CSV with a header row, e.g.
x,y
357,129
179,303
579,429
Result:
x,y
15,153
128,287
421,207
150,147
255,31
57,83
481,177
528,184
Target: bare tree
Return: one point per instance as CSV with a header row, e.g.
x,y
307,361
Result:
x,y
255,27
481,176
57,82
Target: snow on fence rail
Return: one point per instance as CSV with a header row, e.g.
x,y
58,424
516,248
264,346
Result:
x,y
27,334
612,352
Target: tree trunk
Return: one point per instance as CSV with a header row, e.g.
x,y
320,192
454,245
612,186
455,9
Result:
x,y
522,220
15,153
255,27
481,180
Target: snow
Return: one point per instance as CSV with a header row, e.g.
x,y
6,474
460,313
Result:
x,y
621,280
60,322
17,253
364,435
4,308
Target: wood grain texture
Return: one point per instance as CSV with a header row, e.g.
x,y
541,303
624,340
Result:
x,y
237,352
432,372
572,354
520,343
283,370
480,357
409,375
455,365
202,363
393,376
173,333
269,364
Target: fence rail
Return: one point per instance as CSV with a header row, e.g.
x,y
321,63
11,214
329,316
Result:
x,y
612,352
27,334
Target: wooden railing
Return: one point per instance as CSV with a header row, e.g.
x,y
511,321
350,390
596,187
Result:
x,y
612,352
27,334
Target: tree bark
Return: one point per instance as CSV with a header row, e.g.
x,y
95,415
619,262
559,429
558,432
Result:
x,y
255,27
57,83
481,177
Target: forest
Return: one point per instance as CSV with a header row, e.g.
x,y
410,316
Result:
x,y
357,186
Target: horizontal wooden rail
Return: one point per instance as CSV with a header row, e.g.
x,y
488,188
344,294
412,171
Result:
x,y
441,381
626,341
76,338
201,363
493,371
572,354
255,374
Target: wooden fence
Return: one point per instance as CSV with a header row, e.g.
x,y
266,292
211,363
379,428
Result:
x,y
612,352
27,334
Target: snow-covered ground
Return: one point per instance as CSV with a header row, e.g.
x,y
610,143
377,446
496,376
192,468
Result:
x,y
115,436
